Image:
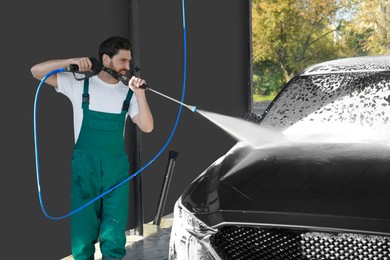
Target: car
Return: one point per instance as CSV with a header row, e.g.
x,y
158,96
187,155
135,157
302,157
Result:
x,y
311,179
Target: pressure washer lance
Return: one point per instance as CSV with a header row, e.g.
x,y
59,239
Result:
x,y
125,79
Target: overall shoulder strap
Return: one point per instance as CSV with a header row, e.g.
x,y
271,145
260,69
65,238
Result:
x,y
126,103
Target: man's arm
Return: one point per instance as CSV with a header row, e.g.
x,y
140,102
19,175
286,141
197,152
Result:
x,y
144,119
41,69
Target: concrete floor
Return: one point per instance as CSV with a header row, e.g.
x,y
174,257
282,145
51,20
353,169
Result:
x,y
153,245
260,107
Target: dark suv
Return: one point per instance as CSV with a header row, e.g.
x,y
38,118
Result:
x,y
312,183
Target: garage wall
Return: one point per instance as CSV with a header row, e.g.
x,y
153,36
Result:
x,y
34,31
217,81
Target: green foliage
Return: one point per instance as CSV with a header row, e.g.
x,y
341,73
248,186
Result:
x,y
289,35
293,33
268,78
371,26
354,43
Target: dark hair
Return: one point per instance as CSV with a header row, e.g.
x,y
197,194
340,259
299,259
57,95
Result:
x,y
112,45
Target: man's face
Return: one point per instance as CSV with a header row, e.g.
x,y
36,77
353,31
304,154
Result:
x,y
121,61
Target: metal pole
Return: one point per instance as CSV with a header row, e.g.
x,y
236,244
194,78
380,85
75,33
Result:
x,y
165,187
133,36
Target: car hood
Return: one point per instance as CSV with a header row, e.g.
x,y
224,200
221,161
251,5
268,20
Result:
x,y
296,183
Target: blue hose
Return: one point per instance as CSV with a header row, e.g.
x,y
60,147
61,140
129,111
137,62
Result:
x,y
134,174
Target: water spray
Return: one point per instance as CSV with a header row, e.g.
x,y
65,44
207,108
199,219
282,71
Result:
x,y
125,80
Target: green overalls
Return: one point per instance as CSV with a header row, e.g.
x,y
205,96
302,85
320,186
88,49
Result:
x,y
99,163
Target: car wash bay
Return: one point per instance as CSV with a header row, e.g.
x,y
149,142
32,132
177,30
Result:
x,y
217,80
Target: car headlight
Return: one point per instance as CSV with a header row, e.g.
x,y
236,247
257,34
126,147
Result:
x,y
189,237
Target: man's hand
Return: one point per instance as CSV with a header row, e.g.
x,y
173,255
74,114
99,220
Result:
x,y
135,85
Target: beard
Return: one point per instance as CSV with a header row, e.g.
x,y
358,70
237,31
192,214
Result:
x,y
121,71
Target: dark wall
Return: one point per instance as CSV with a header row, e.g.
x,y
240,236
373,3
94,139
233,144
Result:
x,y
217,81
34,31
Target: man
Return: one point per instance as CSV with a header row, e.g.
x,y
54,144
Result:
x,y
101,104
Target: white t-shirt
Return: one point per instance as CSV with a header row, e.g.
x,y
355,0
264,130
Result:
x,y
103,97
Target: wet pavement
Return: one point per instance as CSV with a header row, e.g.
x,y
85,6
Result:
x,y
153,245
260,107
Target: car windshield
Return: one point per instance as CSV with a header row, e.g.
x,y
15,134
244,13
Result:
x,y
349,105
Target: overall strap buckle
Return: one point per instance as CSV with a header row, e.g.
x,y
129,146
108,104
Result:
x,y
86,98
126,105
85,103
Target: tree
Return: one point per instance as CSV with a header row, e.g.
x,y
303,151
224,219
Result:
x,y
267,78
373,22
295,33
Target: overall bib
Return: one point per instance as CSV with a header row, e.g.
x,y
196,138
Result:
x,y
100,162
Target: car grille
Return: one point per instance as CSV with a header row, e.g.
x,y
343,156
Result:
x,y
232,242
